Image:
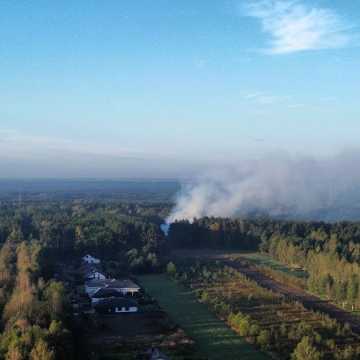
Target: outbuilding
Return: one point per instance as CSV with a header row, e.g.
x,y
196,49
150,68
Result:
x,y
95,275
88,259
116,306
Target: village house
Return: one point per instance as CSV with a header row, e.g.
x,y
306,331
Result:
x,y
125,287
116,306
95,275
88,259
92,272
105,294
155,354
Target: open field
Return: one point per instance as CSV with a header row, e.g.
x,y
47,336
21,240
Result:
x,y
129,336
255,258
213,337
259,259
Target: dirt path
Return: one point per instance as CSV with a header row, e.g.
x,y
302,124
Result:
x,y
291,293
309,301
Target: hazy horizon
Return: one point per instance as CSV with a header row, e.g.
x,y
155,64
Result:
x,y
140,89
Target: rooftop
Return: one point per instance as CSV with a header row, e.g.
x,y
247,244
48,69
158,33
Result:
x,y
106,292
113,283
118,302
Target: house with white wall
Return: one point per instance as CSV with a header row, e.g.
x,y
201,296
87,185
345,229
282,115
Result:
x,y
88,259
117,306
125,287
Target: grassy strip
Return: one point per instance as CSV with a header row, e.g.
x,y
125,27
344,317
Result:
x,y
212,336
267,261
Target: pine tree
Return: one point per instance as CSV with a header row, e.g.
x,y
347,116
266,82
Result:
x,y
305,350
41,351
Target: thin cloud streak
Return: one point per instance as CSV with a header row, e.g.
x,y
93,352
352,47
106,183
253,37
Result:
x,y
16,144
294,26
265,99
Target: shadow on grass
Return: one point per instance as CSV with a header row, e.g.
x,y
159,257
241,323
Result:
x,y
213,337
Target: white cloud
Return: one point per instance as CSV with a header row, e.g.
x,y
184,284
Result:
x,y
263,98
294,26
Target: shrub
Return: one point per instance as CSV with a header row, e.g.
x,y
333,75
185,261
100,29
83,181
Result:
x,y
171,268
264,339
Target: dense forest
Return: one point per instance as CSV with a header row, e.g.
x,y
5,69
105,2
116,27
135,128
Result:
x,y
34,311
127,233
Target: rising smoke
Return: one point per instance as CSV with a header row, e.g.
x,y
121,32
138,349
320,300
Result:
x,y
278,186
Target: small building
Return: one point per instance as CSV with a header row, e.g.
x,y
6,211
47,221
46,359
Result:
x,y
125,287
116,306
155,354
95,275
92,272
105,294
88,259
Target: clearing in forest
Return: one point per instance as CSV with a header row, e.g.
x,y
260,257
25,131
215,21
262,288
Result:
x,y
255,258
213,337
260,259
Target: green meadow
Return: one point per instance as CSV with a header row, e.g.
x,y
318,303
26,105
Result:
x,y
265,260
213,338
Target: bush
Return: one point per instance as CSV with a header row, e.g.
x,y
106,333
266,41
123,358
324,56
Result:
x,y
171,268
305,350
264,339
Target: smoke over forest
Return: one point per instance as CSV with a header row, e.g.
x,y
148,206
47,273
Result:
x,y
277,186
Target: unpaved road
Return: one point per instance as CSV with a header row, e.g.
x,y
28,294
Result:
x,y
309,301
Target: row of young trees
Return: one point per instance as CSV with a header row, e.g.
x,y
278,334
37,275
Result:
x,y
279,329
34,311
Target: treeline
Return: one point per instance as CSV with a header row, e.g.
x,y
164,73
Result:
x,y
34,312
222,233
329,252
215,233
330,275
128,233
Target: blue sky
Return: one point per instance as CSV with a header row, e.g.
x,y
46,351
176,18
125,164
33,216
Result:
x,y
144,88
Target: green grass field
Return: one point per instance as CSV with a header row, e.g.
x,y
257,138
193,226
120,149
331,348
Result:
x,y
213,337
265,260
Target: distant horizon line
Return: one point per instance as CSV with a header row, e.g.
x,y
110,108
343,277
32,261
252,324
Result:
x,y
113,179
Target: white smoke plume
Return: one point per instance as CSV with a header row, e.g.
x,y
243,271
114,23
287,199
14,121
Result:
x,y
280,186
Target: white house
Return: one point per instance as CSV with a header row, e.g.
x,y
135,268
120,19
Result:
x,y
155,354
117,306
88,259
125,287
95,275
